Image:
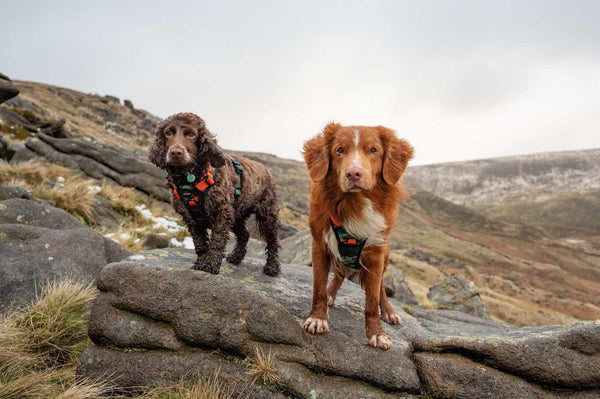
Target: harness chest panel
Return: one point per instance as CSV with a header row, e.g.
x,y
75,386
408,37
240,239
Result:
x,y
192,192
349,246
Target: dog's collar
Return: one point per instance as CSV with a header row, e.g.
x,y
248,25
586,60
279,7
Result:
x,y
349,247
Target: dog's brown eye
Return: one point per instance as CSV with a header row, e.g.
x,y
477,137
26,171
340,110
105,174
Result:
x,y
190,133
168,133
373,150
340,150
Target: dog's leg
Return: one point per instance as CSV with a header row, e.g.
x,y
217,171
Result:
x,y
200,238
388,314
372,278
268,226
317,321
242,235
211,263
334,285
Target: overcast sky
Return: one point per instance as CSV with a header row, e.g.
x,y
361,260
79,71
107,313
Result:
x,y
459,80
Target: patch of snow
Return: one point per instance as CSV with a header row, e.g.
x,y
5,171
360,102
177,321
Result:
x,y
126,236
176,243
159,221
137,257
60,179
94,189
574,241
108,235
188,243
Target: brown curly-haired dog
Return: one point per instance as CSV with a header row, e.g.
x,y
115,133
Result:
x,y
184,147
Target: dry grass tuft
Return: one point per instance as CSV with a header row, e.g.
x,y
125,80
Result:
x,y
202,388
122,199
262,367
41,342
59,186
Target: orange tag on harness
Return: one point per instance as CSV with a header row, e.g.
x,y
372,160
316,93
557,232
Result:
x,y
176,193
202,185
352,241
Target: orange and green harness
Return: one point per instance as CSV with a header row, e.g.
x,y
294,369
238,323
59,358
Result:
x,y
193,191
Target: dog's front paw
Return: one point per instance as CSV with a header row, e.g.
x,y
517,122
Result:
x,y
390,317
382,341
206,267
316,326
271,270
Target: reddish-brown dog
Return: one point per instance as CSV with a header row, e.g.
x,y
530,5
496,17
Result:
x,y
355,173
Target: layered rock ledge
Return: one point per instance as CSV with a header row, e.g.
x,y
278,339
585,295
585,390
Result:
x,y
156,321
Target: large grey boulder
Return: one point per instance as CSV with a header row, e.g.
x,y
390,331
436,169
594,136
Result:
x,y
8,89
455,292
39,242
155,320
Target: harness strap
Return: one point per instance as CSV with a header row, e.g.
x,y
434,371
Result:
x,y
239,169
349,247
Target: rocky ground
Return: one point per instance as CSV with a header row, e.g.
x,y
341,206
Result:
x,y
156,320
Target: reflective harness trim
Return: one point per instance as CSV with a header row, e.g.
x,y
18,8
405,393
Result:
x,y
349,246
193,193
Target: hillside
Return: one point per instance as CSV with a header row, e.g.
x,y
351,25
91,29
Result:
x,y
557,191
526,274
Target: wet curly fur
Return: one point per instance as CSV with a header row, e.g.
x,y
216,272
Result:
x,y
225,213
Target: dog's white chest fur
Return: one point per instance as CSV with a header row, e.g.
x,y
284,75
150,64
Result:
x,y
370,225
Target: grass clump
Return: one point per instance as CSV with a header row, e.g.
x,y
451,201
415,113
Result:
x,y
202,388
262,367
41,342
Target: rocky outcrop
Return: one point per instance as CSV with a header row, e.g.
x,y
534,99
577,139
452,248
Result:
x,y
155,320
7,88
39,242
98,161
455,292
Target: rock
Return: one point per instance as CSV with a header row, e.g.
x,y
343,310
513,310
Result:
x,y
156,320
7,88
3,147
104,214
56,129
452,376
17,152
286,230
297,248
8,192
189,311
128,104
458,293
153,241
39,242
396,286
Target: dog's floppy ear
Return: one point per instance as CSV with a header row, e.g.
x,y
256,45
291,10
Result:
x,y
157,153
215,154
316,152
397,154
